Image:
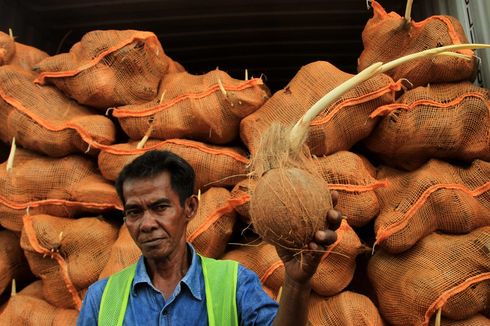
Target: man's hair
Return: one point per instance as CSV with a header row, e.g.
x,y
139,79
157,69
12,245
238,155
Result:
x,y
155,162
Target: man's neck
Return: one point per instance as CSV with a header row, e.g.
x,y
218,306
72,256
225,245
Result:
x,y
167,272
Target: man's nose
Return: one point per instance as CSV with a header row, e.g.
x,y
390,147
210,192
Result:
x,y
148,220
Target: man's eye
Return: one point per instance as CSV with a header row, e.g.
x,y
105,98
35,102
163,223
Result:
x,y
132,213
159,208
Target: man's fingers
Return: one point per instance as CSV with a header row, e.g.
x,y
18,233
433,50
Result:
x,y
324,238
334,219
335,197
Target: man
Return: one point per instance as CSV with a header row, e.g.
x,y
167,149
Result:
x,y
172,285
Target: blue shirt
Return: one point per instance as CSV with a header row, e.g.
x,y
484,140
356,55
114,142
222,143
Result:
x,y
187,305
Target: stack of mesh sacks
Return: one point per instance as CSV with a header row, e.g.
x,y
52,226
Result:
x,y
432,245
77,118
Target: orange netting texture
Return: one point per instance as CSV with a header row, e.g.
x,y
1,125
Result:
x,y
339,126
438,196
211,229
451,272
13,264
261,258
448,121
345,309
7,48
476,320
44,120
205,107
214,166
29,308
387,36
353,177
242,192
124,252
68,255
18,54
63,187
109,68
338,264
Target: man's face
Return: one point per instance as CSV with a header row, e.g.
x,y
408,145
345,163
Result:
x,y
154,217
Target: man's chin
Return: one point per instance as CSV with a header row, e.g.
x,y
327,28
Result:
x,y
155,252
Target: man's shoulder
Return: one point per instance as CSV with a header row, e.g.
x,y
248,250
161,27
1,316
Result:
x,y
100,285
97,288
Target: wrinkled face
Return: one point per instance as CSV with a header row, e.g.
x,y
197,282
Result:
x,y
154,217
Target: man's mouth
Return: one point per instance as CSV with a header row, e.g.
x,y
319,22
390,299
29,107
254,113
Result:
x,y
152,242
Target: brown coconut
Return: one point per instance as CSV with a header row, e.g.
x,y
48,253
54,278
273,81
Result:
x,y
290,200
291,205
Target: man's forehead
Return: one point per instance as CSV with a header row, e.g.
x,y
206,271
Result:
x,y
143,186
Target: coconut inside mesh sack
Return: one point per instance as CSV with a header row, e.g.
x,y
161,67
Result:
x,y
205,107
67,187
448,272
346,120
44,120
28,307
7,48
346,308
447,121
212,226
124,252
353,177
334,272
109,68
68,255
438,196
388,36
18,54
214,165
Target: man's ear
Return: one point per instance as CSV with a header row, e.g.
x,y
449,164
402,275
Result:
x,y
191,206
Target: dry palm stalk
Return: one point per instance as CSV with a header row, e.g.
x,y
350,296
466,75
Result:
x,y
288,183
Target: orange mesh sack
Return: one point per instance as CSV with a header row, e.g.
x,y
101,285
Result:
x,y
338,264
387,36
476,320
7,48
438,196
124,252
109,68
448,272
66,187
44,120
29,308
334,272
448,121
68,255
205,107
211,229
340,125
264,261
27,57
214,166
353,177
13,264
344,309
18,54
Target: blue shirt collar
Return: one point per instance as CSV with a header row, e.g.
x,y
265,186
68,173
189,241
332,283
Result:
x,y
191,279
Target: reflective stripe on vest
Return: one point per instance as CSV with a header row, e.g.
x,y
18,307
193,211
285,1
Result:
x,y
220,280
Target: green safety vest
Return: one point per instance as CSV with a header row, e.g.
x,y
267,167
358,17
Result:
x,y
220,279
